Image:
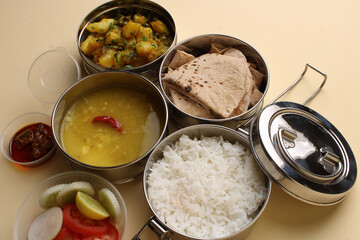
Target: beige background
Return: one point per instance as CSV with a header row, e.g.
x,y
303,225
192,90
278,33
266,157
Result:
x,y
288,34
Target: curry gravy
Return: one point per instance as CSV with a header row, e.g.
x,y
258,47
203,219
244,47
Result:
x,y
99,144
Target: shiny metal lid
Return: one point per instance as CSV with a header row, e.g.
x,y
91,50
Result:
x,y
303,153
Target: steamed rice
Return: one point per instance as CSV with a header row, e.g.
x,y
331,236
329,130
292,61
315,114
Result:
x,y
206,188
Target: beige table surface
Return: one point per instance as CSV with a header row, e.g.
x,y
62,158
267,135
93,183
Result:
x,y
288,34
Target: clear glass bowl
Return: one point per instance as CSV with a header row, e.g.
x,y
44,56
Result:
x,y
30,208
16,125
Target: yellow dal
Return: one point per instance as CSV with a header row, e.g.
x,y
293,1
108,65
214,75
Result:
x,y
99,144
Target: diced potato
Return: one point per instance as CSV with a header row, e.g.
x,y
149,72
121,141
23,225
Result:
x,y
139,61
147,49
125,57
161,51
140,19
131,39
91,44
159,27
113,36
128,43
145,34
97,54
101,27
131,30
107,59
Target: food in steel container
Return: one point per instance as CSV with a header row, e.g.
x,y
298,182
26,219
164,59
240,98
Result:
x,y
219,84
202,182
126,42
214,78
109,122
111,126
296,147
126,35
206,187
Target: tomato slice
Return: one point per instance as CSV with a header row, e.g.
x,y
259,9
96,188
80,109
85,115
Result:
x,y
111,234
67,234
75,221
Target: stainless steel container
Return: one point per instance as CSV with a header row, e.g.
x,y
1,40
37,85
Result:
x,y
110,9
164,231
303,153
120,173
199,45
296,147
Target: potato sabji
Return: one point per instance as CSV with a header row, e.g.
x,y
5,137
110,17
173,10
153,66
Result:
x,y
126,41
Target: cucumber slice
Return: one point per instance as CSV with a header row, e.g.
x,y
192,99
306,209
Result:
x,y
47,225
109,201
48,197
68,193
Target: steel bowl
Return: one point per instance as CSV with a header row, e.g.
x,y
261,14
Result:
x,y
199,45
162,230
120,173
110,9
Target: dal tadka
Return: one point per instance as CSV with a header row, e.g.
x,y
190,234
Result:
x,y
111,126
218,84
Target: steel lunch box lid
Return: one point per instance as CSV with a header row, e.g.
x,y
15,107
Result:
x,y
303,153
51,74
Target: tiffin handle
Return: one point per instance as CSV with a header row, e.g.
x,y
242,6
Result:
x,y
307,66
156,226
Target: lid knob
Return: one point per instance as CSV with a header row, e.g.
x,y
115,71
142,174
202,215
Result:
x,y
329,161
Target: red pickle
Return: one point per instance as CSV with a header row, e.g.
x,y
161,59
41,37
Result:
x,y
31,142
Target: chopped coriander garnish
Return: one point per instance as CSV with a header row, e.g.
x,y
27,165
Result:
x,y
128,66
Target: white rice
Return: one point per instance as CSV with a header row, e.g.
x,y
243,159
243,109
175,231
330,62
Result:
x,y
207,188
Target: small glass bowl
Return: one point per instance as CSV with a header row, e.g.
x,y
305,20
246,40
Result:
x,y
16,125
30,208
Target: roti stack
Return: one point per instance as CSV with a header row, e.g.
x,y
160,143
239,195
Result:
x,y
219,84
